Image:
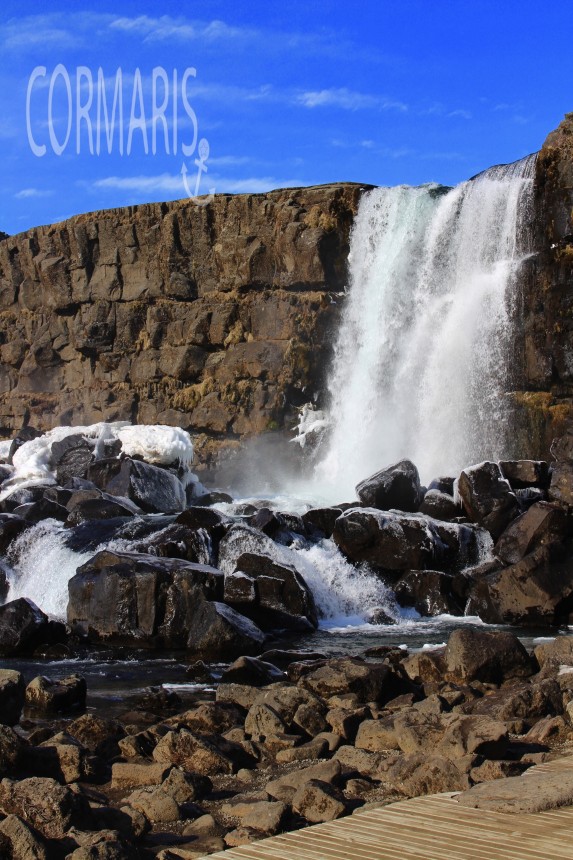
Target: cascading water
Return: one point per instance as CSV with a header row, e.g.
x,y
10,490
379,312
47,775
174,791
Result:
x,y
421,364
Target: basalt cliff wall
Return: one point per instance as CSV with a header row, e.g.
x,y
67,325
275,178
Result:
x,y
218,318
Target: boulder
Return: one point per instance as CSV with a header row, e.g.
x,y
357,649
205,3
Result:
x,y
71,457
135,599
98,735
153,489
11,750
393,541
542,523
281,596
157,806
370,682
534,792
523,474
487,656
284,787
320,521
45,696
10,527
23,626
199,754
395,487
430,592
266,817
253,671
35,512
48,807
219,631
130,774
11,696
537,591
23,842
558,651
487,497
418,774
440,506
319,801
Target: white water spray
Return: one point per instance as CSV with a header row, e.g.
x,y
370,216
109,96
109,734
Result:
x,y
422,362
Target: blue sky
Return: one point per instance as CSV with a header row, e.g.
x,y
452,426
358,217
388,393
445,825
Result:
x,y
385,92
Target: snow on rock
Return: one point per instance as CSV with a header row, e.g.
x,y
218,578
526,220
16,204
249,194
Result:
x,y
156,444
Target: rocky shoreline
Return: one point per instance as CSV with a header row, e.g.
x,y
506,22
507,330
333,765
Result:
x,y
288,738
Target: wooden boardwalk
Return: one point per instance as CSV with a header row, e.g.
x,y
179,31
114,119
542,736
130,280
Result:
x,y
425,828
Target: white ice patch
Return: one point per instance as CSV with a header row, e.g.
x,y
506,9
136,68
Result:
x,y
564,669
157,444
311,425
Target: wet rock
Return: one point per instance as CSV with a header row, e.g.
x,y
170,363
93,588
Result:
x,y
320,521
395,487
253,671
46,696
23,626
522,474
487,497
430,592
137,599
219,631
71,457
11,696
440,506
10,527
88,505
153,489
444,484
319,801
537,590
43,509
492,656
541,524
45,805
394,541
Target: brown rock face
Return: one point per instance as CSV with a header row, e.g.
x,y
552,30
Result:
x,y
213,318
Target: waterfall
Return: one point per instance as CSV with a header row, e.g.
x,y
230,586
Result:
x,y
422,360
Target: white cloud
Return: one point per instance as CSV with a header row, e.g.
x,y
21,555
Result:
x,y
167,28
346,99
172,184
31,192
462,114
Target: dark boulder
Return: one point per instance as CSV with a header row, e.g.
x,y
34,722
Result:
x,y
487,497
522,474
541,524
71,457
153,489
12,689
390,540
35,512
219,631
26,434
395,487
22,496
440,506
321,521
23,626
487,656
47,696
429,592
536,590
139,600
443,485
10,527
253,671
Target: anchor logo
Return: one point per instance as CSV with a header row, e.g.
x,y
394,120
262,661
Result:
x,y
201,166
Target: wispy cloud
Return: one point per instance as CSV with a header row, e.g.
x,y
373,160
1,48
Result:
x,y
166,28
31,192
342,97
172,184
460,113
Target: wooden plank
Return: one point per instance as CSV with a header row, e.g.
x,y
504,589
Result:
x,y
426,828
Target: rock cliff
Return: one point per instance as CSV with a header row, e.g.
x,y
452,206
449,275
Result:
x,y
216,318
544,347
